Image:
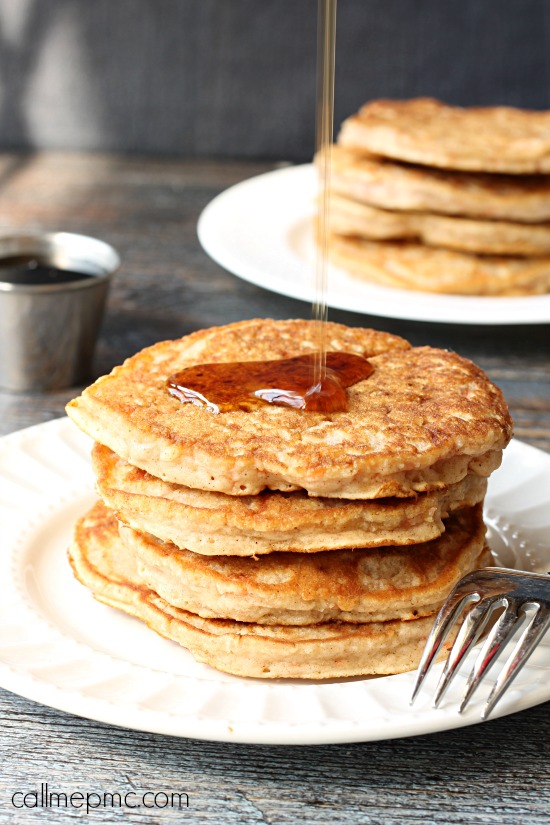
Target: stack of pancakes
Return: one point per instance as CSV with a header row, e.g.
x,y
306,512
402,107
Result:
x,y
437,198
274,542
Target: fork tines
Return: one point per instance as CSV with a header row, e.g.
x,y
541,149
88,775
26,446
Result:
x,y
524,602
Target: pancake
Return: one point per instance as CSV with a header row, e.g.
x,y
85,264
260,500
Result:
x,y
218,524
425,131
328,650
303,589
424,419
377,181
408,265
349,217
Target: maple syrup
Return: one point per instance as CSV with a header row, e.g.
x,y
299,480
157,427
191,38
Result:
x,y
29,270
316,382
244,385
324,110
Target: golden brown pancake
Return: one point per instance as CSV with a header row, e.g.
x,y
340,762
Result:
x,y
218,524
350,217
425,131
424,419
388,184
407,265
373,585
327,650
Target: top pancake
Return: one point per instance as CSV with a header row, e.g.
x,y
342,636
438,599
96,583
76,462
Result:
x,y
423,419
425,131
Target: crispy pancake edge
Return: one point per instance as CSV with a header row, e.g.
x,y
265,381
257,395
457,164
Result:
x,y
401,434
322,651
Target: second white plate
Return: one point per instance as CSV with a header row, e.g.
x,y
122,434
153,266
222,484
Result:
x,y
261,231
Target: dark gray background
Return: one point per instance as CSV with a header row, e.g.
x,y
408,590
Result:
x,y
236,78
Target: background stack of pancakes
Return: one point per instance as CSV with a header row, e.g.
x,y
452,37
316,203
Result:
x,y
274,542
432,197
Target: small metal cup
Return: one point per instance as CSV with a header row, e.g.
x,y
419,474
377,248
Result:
x,y
48,331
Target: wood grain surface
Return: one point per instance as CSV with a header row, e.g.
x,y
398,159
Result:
x,y
497,772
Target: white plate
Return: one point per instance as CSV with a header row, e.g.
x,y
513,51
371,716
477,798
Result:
x,y
261,230
60,647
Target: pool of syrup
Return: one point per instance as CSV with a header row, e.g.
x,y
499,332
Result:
x,y
316,382
245,385
31,270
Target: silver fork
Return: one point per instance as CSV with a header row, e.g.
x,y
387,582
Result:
x,y
486,591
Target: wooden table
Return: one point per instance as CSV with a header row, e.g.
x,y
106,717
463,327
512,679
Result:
x,y
497,772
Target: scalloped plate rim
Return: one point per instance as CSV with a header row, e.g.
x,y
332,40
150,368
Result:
x,y
398,721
